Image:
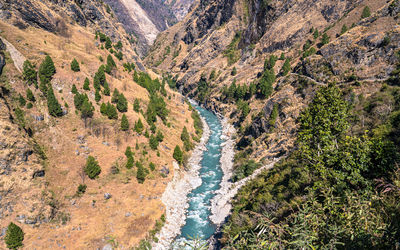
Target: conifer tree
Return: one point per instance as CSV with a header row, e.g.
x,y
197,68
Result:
x,y
366,12
136,105
46,72
153,142
21,100
29,95
141,172
53,104
103,109
124,123
87,109
128,152
122,104
86,84
108,43
286,67
106,90
325,39
29,73
110,62
75,66
178,155
185,134
74,90
129,163
139,126
92,168
115,96
97,96
14,236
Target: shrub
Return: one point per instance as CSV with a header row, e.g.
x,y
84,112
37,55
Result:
x,y
53,104
21,100
129,162
366,12
86,84
92,168
75,66
159,136
14,236
152,166
344,29
29,73
81,189
29,105
234,71
178,155
124,123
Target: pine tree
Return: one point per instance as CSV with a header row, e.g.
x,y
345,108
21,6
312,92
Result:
x,y
29,73
29,95
185,135
87,109
97,96
86,84
136,105
124,123
178,155
92,168
366,12
316,34
74,90
112,112
152,166
286,67
53,104
115,96
75,66
129,163
21,100
159,136
122,104
108,44
14,236
128,152
103,109
110,62
99,77
106,90
325,39
344,29
46,72
153,142
141,173
139,126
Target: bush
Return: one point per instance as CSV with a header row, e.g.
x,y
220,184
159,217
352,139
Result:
x,y
92,168
86,84
129,162
178,155
29,73
159,136
75,66
152,166
110,62
21,100
81,189
14,236
124,123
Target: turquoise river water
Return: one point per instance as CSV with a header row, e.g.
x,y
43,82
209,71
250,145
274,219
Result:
x,y
198,223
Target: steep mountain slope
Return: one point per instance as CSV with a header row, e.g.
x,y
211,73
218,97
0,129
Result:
x,y
261,63
54,122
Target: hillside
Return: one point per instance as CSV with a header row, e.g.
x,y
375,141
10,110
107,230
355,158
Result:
x,y
264,64
69,179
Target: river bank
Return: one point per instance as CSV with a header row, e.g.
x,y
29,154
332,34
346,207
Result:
x,y
175,195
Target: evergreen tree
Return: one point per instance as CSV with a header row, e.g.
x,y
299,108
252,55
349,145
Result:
x,y
266,82
366,12
99,77
178,155
86,84
53,104
46,72
21,100
108,43
87,109
128,152
14,236
29,73
103,109
115,96
111,112
286,67
106,90
29,95
110,62
74,90
344,29
152,166
325,39
316,34
92,168
159,136
75,66
141,172
139,126
153,142
97,96
185,135
129,163
136,105
122,104
234,71
124,123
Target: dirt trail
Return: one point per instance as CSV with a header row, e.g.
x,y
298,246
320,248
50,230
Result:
x,y
16,56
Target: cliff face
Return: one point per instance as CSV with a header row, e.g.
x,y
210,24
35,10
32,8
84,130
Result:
x,y
221,42
42,156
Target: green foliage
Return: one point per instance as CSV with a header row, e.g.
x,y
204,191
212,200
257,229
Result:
x,y
286,67
86,84
152,166
92,168
99,78
244,108
109,110
139,126
159,136
129,163
325,39
21,100
74,90
366,12
153,142
268,78
156,107
118,45
97,96
110,62
106,90
87,109
232,52
14,236
141,172
245,170
309,52
53,104
75,66
81,189
115,96
197,122
344,29
20,117
274,115
46,72
178,155
185,137
234,71
136,105
316,34
108,44
144,80
124,123
122,104
203,89
29,73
